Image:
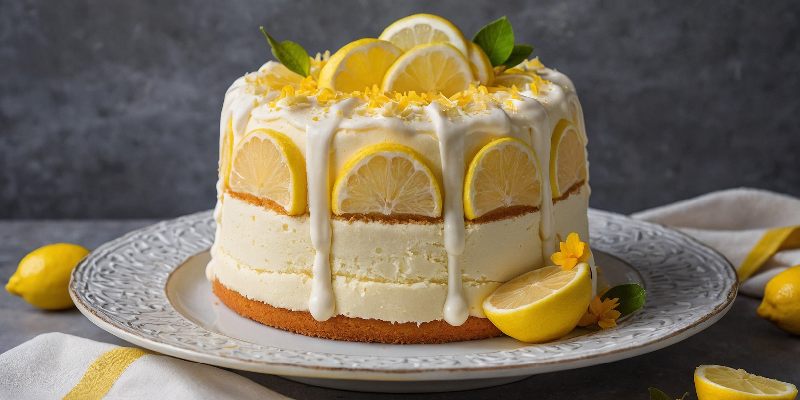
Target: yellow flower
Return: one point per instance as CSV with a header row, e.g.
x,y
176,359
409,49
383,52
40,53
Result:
x,y
573,251
601,312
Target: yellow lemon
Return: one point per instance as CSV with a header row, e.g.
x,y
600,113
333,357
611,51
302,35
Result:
x,y
715,382
781,303
387,179
541,305
225,154
429,68
567,158
481,66
358,65
521,81
267,165
503,174
276,76
43,275
418,29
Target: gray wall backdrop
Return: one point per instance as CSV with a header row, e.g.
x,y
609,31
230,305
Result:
x,y
109,109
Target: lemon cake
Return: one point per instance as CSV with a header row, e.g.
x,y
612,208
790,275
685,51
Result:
x,y
381,193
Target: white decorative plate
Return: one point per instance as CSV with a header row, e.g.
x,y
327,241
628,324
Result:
x,y
148,287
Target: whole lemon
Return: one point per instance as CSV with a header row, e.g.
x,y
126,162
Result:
x,y
781,303
43,275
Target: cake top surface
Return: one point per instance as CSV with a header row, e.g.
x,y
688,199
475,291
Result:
x,y
393,77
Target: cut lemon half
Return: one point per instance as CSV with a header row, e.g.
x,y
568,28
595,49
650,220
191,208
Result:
x,y
225,154
387,179
267,164
481,66
715,382
503,174
358,65
567,158
418,29
429,68
521,81
541,305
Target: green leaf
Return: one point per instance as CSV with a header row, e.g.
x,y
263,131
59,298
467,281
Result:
x,y
497,40
631,297
656,394
290,54
519,53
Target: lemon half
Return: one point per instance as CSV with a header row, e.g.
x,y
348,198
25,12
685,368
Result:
x,y
715,382
541,305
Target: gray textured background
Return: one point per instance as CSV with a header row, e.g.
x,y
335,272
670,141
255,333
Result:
x,y
110,108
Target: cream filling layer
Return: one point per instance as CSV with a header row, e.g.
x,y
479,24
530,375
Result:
x,y
390,272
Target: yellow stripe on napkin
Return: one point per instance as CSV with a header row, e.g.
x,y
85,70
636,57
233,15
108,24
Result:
x,y
103,372
773,240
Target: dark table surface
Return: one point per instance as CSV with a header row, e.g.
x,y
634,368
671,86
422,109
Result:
x,y
740,339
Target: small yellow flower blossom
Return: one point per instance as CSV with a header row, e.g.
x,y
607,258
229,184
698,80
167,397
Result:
x,y
601,312
573,251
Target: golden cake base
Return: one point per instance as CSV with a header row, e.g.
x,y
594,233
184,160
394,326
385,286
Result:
x,y
354,329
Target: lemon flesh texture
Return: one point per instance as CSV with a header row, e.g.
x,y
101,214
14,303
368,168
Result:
x,y
503,174
418,29
716,382
541,305
481,66
567,158
268,165
781,302
358,65
42,277
387,179
429,68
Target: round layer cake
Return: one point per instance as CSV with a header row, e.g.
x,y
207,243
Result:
x,y
294,251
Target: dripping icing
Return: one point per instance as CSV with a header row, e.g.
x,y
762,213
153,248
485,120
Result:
x,y
322,303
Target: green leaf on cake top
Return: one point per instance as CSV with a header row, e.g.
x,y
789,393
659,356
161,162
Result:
x,y
631,297
519,54
497,41
290,54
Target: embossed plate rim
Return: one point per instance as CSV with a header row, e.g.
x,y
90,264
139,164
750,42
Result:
x,y
177,240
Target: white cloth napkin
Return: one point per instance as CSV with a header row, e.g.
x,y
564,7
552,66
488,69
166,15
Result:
x,y
757,230
57,365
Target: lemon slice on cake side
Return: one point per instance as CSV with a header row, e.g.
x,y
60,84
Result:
x,y
387,179
541,305
715,382
429,68
567,158
503,174
418,29
481,66
267,165
226,154
358,65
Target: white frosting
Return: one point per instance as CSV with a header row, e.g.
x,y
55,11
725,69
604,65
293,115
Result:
x,y
321,303
446,137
